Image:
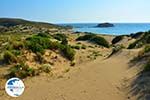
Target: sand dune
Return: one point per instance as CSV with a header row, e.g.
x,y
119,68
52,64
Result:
x,y
102,79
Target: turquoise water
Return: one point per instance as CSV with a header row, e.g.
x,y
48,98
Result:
x,y
119,29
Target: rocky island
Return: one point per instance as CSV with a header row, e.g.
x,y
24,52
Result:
x,y
103,25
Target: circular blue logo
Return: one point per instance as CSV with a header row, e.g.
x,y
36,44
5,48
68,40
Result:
x,y
14,87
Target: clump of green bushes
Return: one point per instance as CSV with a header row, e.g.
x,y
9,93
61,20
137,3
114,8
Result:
x,y
94,39
45,68
116,49
61,37
21,71
46,35
145,39
9,57
68,52
147,66
37,43
147,48
117,39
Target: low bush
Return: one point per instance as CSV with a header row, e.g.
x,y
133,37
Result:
x,y
85,37
17,45
21,71
132,45
39,58
117,39
95,39
68,52
46,35
16,52
37,43
147,66
100,41
9,57
45,68
116,49
144,39
147,48
60,37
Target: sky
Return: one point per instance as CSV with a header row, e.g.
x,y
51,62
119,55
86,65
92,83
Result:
x,y
77,11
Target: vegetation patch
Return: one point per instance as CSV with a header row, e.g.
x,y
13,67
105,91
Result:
x,y
37,43
116,49
45,68
94,39
117,39
145,39
61,37
9,57
21,71
68,52
147,66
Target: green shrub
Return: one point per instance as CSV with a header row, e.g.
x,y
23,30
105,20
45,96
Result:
x,y
100,41
45,68
54,45
95,39
68,52
46,35
39,58
147,66
60,37
65,42
38,44
17,45
16,52
147,48
21,71
117,39
85,37
116,49
132,45
9,57
144,39
35,47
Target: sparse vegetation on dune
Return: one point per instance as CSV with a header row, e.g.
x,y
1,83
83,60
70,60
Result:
x,y
116,49
94,39
117,39
143,40
21,71
18,48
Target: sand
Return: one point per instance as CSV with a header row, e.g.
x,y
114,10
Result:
x,y
101,79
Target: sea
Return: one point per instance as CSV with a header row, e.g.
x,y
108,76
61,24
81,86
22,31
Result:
x,y
118,29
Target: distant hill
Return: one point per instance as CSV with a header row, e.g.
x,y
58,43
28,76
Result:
x,y
12,25
9,22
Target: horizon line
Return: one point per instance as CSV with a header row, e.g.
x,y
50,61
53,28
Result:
x,y
77,22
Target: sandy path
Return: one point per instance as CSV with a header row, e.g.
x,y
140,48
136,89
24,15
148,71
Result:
x,y
98,80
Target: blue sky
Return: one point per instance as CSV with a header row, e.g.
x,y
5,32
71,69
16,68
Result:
x,y
71,11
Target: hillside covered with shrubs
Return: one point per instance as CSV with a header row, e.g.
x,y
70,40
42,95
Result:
x,y
14,51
